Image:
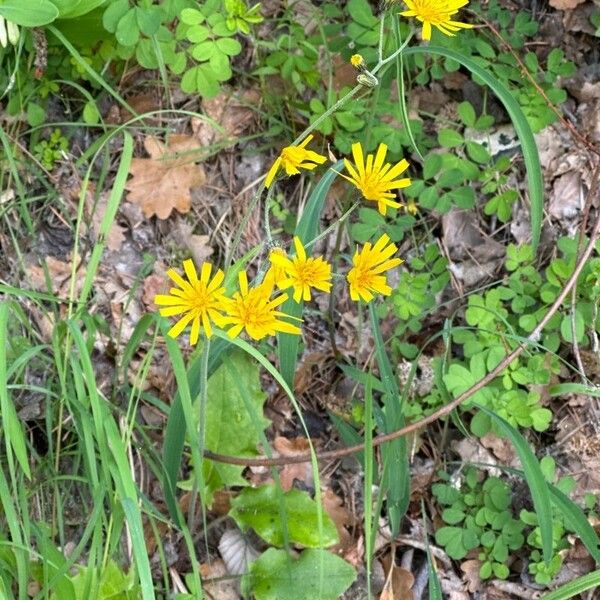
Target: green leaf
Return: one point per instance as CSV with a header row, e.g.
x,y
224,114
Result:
x,y
277,576
36,115
32,13
575,587
259,509
520,123
229,427
127,32
197,34
191,16
229,46
91,114
566,329
467,113
449,138
148,19
113,14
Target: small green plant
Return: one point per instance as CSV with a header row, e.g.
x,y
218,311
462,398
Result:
x,y
479,515
240,17
51,150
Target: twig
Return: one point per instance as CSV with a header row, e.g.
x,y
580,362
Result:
x,y
448,408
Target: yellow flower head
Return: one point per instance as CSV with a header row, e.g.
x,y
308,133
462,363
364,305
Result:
x,y
365,277
302,273
357,61
374,178
275,274
438,13
294,158
253,310
198,300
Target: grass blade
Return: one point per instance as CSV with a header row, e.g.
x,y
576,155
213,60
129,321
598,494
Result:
x,y
396,479
538,487
574,587
306,230
530,151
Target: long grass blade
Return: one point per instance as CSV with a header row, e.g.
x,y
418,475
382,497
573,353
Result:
x,y
575,587
538,487
530,151
306,229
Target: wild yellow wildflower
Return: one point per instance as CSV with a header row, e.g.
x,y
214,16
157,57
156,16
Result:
x,y
302,273
198,300
366,276
438,13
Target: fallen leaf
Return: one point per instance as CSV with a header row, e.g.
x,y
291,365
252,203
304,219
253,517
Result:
x,y
471,570
213,586
59,276
334,507
565,4
237,551
116,234
399,582
162,182
196,245
300,471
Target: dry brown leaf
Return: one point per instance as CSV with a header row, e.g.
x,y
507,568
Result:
x,y
116,234
565,4
300,471
399,582
334,507
223,589
162,182
197,245
60,276
471,570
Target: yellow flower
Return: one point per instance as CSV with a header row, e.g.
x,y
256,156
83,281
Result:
x,y
253,310
294,158
437,13
198,300
302,273
411,207
366,276
357,61
374,178
275,274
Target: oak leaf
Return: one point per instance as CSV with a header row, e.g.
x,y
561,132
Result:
x,y
163,182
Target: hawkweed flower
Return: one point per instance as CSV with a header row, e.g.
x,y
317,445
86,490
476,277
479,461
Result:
x,y
294,158
438,13
199,300
253,310
366,275
302,273
375,179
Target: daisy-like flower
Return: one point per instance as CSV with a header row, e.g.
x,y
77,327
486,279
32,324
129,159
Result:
x,y
302,273
375,179
253,310
365,277
198,300
294,158
438,13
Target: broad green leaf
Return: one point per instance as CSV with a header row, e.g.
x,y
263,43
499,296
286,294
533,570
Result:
x,y
113,14
449,138
229,427
259,509
32,13
148,19
127,32
277,576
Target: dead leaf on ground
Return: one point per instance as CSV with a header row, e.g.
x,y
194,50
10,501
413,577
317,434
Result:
x,y
471,570
224,589
237,551
196,245
565,4
334,507
116,234
59,275
228,117
162,182
399,582
300,471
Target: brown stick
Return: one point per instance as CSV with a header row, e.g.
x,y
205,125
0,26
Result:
x,y
263,461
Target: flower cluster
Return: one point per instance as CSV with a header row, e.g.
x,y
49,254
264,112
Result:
x,y
202,301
